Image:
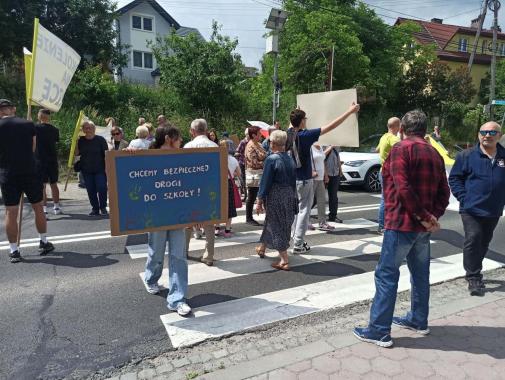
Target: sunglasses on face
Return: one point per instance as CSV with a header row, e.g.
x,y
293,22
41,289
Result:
x,y
490,133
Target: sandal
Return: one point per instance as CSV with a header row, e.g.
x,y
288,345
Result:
x,y
260,252
280,266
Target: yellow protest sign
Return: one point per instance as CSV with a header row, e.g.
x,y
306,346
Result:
x,y
75,137
53,64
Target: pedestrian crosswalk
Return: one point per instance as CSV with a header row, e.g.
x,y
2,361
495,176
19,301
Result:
x,y
241,293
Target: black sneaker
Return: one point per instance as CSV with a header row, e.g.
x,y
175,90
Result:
x,y
15,257
45,248
94,213
253,222
474,288
481,284
104,212
338,220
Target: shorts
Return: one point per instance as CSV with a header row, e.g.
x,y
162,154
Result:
x,y
13,188
49,173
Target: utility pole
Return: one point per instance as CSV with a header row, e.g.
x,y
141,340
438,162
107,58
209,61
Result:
x,y
495,7
275,99
331,69
482,17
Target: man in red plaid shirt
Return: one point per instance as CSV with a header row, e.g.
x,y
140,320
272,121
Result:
x,y
416,195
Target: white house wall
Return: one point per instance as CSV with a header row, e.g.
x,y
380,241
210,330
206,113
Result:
x,y
137,39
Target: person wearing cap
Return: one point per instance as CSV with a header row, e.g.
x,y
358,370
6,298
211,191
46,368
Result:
x,y
47,157
18,176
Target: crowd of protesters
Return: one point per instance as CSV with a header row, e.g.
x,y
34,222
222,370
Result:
x,y
285,176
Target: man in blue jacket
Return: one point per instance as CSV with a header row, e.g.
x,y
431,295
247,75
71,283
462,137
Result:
x,y
477,180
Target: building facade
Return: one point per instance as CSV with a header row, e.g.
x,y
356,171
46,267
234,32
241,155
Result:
x,y
454,45
139,23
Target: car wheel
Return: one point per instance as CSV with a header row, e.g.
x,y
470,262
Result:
x,y
372,181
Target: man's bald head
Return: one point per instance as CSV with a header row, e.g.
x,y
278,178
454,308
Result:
x,y
394,125
491,125
486,139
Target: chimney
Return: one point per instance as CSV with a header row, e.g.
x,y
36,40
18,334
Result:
x,y
437,20
475,23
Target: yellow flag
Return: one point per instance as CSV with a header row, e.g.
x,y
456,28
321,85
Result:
x,y
53,64
442,151
28,69
75,137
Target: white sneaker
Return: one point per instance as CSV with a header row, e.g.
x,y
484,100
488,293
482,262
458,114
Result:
x,y
182,309
57,211
152,289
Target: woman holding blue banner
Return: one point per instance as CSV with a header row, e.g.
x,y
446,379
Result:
x,y
168,137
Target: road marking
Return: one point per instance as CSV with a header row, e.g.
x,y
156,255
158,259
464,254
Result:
x,y
246,265
52,238
230,317
140,250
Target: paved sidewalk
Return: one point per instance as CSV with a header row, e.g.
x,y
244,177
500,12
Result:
x,y
465,345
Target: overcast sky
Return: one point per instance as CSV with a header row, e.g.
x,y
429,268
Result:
x,y
244,19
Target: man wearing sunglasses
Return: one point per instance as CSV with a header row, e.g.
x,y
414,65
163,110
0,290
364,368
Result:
x,y
477,180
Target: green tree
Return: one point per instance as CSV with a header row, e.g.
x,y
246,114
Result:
x,y
86,25
207,75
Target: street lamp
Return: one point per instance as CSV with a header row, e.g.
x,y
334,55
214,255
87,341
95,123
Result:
x,y
275,23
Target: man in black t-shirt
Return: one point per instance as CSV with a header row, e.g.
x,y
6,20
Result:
x,y
18,175
47,157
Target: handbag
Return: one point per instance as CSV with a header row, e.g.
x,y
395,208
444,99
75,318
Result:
x,y
253,177
237,200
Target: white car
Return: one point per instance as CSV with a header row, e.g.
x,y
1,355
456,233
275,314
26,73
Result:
x,y
361,166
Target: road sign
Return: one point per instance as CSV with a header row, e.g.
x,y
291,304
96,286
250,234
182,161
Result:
x,y
498,102
157,189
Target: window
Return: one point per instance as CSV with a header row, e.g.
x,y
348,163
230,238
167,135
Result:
x,y
501,49
142,23
148,60
463,42
143,60
148,24
137,59
484,47
136,22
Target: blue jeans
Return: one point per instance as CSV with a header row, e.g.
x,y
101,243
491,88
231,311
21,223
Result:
x,y
96,186
396,246
381,206
177,263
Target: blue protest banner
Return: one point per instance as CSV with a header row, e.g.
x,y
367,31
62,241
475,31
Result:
x,y
153,190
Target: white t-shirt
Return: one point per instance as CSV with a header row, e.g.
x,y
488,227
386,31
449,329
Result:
x,y
201,142
140,144
232,164
318,157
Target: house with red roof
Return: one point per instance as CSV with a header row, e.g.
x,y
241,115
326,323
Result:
x,y
454,45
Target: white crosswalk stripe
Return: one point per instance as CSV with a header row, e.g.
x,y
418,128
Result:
x,y
140,250
243,266
242,314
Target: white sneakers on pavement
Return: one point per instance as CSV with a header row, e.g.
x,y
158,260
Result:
x,y
152,289
182,309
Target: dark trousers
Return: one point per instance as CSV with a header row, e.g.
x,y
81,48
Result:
x,y
333,185
252,192
243,187
478,235
96,186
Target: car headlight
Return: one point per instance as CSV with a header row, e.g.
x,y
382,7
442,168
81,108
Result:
x,y
355,164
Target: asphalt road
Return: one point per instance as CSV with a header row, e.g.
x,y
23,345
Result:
x,y
84,308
